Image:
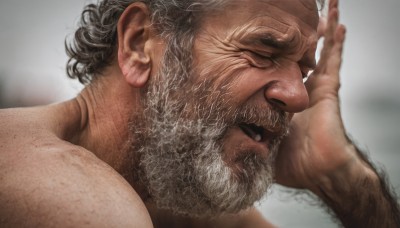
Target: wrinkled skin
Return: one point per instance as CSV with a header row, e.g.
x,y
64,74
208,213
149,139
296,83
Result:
x,y
317,145
272,77
70,161
232,46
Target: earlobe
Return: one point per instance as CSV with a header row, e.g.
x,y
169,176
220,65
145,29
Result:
x,y
133,36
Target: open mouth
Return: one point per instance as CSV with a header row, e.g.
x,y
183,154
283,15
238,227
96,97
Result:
x,y
253,131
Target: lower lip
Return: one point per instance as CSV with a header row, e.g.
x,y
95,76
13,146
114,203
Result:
x,y
242,143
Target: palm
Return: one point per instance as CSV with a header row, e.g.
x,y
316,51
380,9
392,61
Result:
x,y
316,143
312,146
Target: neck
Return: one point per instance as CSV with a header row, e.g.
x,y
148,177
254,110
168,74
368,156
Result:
x,y
106,107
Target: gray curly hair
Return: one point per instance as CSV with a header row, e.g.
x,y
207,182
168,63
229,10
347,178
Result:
x,y
94,43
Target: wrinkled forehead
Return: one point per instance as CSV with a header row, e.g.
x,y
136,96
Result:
x,y
303,11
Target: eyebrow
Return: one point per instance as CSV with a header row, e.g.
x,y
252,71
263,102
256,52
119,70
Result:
x,y
269,40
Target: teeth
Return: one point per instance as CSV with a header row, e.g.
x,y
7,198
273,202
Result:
x,y
252,131
257,138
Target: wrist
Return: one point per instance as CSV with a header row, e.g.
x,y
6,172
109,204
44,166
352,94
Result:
x,y
358,195
344,179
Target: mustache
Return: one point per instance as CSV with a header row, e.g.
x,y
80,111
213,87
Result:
x,y
216,107
269,118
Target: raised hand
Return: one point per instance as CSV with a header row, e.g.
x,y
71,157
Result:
x,y
318,156
317,143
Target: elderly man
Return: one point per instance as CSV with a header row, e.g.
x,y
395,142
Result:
x,y
187,117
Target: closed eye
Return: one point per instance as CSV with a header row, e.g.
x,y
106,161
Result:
x,y
259,60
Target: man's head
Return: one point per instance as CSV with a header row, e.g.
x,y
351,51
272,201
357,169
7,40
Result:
x,y
94,45
218,99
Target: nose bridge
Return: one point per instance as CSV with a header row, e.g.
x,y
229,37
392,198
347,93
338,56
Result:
x,y
288,91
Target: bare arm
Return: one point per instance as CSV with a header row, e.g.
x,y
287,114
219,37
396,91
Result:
x,y
317,155
360,196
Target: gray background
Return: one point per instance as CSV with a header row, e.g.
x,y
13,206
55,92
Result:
x,y
32,61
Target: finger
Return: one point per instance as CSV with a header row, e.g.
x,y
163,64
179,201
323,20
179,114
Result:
x,y
329,79
333,4
333,18
335,60
321,27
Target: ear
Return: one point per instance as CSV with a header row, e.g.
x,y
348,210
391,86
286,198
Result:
x,y
133,35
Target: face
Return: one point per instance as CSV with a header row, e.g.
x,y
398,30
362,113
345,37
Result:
x,y
208,141
262,49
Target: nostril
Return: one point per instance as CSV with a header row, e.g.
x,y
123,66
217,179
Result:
x,y
277,102
287,95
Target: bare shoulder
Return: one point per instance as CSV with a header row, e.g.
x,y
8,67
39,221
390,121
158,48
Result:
x,y
48,182
65,187
250,218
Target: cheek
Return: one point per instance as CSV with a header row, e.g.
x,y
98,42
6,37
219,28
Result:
x,y
250,81
221,68
229,71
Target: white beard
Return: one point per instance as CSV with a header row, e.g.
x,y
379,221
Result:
x,y
181,157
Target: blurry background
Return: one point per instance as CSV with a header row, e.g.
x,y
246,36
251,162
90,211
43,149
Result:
x,y
32,72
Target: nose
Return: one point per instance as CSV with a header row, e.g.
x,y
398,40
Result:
x,y
288,92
